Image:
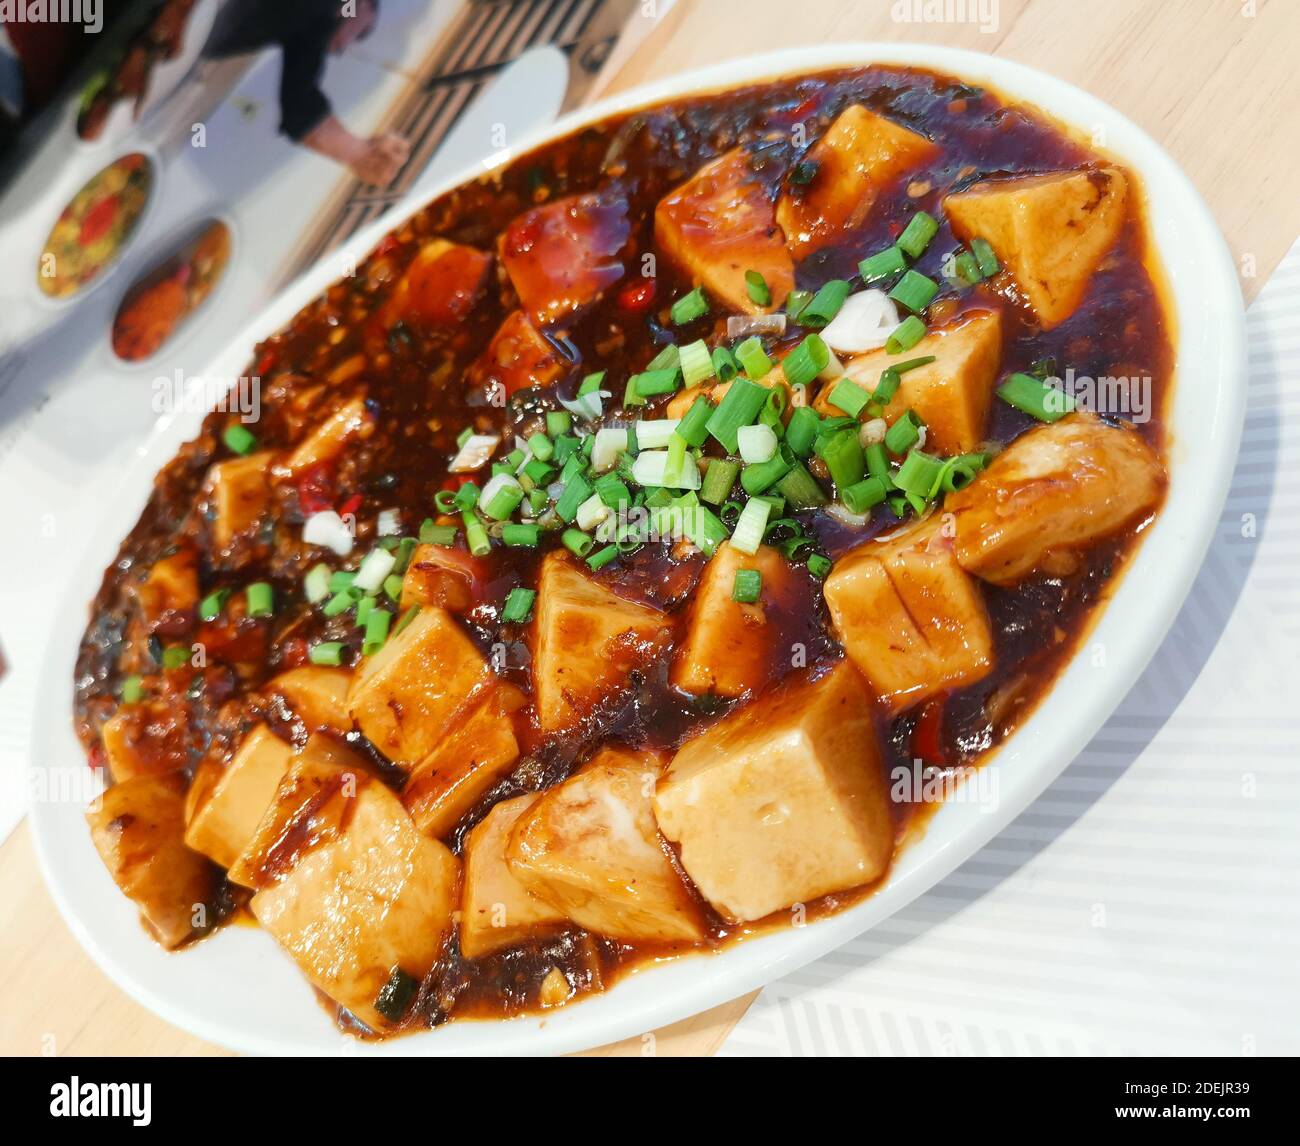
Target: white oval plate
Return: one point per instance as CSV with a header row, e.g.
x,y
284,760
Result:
x,y
237,989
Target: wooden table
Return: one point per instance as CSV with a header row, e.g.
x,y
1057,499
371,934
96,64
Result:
x,y
1214,81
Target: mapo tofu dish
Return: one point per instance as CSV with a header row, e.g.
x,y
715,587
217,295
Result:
x,y
607,547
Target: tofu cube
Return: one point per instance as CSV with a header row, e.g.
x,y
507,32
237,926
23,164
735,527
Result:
x,y
910,617
590,848
171,587
519,356
451,780
350,422
729,646
443,576
782,801
146,739
1050,231
586,639
720,224
439,287
238,492
363,894
858,157
408,695
316,695
222,823
138,828
952,394
1054,491
497,910
562,256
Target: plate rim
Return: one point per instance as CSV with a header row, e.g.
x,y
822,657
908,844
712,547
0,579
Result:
x,y
694,983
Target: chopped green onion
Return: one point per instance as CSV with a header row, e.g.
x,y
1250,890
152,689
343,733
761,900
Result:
x,y
795,302
576,491
238,439
724,364
800,488
341,602
260,598
326,653
967,268
719,480
466,497
903,434
364,606
756,286
501,497
407,618
558,422
1035,397
842,453
132,690
748,534
756,443
763,475
476,535
603,557
882,265
689,307
863,495
577,542
848,396
393,588
693,429
518,606
920,473
696,364
613,491
317,581
542,447
651,383
825,304
444,501
464,436
878,462
521,536
916,236
175,657
444,535
806,360
819,565
752,358
914,291
905,335
377,622
985,257
746,586
740,406
801,431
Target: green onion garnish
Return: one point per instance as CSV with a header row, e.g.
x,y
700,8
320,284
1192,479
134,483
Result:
x,y
696,364
819,565
806,361
719,480
238,439
377,622
795,302
752,358
751,526
740,406
260,599
689,307
444,535
132,690
916,236
903,434
825,304
521,536
341,602
919,474
466,497
747,586
577,542
800,488
393,588
1035,397
326,653
541,446
842,453
650,383
905,335
914,291
558,422
603,557
407,618
985,257
848,396
694,427
364,607
759,292
211,605
967,268
801,431
724,364
518,606
863,495
175,657
576,491
476,535
882,265
763,475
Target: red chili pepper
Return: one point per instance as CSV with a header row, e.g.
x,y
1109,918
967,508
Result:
x,y
266,362
293,653
351,505
387,245
315,490
637,297
98,219
927,733
454,482
98,757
